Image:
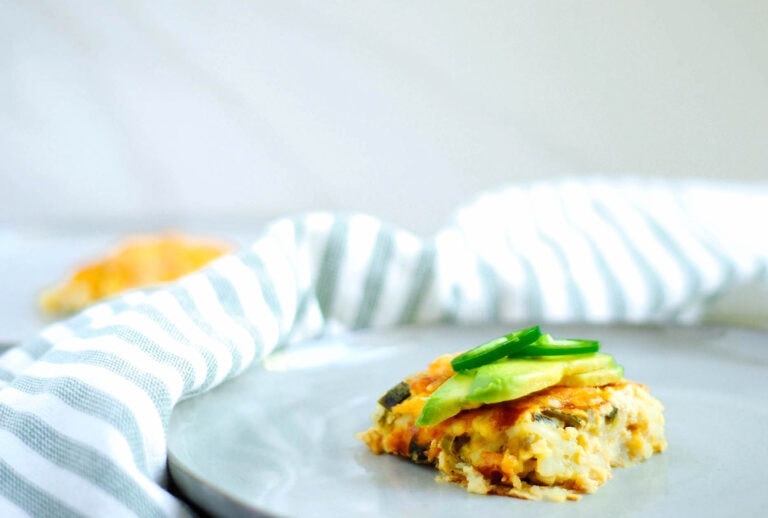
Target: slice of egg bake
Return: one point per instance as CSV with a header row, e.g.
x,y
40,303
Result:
x,y
138,261
545,426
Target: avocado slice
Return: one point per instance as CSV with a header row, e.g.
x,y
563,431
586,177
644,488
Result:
x,y
594,378
514,378
449,399
583,362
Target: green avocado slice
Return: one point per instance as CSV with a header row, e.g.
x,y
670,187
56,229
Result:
x,y
449,399
512,379
594,378
579,363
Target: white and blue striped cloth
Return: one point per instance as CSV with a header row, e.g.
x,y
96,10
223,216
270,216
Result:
x,y
84,406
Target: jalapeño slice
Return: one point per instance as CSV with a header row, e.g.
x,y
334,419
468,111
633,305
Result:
x,y
548,346
507,345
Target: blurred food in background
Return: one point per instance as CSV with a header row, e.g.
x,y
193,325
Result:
x,y
137,261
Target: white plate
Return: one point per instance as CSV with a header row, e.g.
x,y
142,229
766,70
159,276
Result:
x,y
280,439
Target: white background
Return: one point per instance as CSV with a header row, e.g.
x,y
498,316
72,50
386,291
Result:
x,y
145,114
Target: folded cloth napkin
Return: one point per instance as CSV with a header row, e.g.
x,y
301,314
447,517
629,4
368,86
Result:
x,y
85,405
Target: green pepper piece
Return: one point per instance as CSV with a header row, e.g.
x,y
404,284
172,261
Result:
x,y
507,345
548,346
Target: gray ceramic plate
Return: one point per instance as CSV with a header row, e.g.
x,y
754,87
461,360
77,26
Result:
x,y
280,439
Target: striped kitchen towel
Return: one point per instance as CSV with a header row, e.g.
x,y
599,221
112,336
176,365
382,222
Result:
x,y
85,405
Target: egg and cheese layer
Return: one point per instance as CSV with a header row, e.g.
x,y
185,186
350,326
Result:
x,y
557,443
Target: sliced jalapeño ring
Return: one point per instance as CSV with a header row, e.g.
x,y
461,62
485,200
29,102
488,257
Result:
x,y
548,346
488,352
